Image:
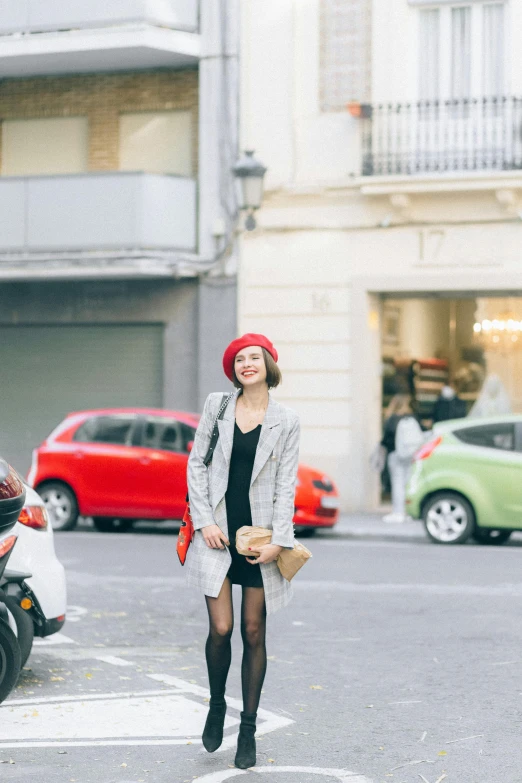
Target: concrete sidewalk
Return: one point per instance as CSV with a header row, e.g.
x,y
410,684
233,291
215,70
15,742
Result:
x,y
371,526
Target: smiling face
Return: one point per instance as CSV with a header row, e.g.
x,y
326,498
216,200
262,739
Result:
x,y
249,366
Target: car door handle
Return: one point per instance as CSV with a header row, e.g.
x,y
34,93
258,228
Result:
x,y
78,455
144,460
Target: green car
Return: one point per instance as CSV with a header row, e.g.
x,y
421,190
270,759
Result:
x,y
466,481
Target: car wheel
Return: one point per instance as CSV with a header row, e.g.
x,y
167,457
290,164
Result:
x,y
10,661
448,518
111,525
488,535
305,532
24,627
60,503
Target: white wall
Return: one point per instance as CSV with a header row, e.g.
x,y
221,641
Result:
x,y
303,305
280,114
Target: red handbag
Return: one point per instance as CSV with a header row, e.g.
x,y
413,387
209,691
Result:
x,y
186,531
185,535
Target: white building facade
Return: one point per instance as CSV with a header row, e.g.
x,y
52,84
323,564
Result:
x,y
391,225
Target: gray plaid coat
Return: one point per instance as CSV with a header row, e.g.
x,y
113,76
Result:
x,y
272,492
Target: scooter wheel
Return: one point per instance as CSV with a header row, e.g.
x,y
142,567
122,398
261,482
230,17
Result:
x,y
9,660
24,627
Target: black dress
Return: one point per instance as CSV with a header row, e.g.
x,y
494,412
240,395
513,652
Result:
x,y
237,502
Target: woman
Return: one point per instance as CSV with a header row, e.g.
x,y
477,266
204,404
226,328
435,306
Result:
x,y
250,481
399,466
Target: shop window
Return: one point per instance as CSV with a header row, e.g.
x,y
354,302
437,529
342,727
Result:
x,y
156,142
55,145
490,436
116,430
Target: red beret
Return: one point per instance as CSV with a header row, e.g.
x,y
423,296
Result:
x,y
245,342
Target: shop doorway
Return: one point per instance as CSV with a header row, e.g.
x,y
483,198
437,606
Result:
x,y
434,341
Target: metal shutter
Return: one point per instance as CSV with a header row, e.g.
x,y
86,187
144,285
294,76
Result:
x,y
49,371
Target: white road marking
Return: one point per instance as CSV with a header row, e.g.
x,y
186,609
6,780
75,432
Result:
x,y
83,697
167,717
171,716
114,660
54,638
74,613
342,775
271,721
95,743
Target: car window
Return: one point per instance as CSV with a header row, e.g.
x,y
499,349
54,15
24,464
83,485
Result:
x,y
189,433
518,437
491,436
161,432
106,429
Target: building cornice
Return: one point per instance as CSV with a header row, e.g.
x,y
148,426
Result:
x,y
102,265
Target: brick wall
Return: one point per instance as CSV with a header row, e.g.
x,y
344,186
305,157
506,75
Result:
x,y
345,66
102,98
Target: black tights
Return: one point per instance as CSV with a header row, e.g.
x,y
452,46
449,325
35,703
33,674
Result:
x,y
218,648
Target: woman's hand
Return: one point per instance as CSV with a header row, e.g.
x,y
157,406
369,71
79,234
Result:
x,y
267,554
214,537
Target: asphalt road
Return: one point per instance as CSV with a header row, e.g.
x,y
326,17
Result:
x,y
398,660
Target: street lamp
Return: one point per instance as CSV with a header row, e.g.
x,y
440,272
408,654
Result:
x,y
250,174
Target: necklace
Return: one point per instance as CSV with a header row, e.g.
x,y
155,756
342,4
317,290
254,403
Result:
x,y
252,414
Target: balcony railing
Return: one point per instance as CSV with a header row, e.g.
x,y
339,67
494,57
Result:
x,y
98,211
38,16
475,134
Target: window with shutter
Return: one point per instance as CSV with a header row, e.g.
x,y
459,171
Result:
x,y
345,59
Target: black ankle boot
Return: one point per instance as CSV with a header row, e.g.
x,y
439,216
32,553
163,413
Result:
x,y
213,731
246,743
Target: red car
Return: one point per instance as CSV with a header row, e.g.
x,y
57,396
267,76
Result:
x,y
119,465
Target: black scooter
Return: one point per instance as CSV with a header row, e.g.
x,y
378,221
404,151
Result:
x,y
12,499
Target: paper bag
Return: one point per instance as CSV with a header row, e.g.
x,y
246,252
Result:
x,y
289,561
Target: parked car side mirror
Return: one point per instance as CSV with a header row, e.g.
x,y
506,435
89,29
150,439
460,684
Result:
x,y
190,446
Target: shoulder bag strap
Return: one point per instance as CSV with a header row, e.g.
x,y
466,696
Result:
x,y
215,432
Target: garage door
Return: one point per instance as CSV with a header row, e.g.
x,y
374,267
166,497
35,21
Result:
x,y
49,371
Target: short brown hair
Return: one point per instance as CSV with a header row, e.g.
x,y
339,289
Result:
x,y
273,373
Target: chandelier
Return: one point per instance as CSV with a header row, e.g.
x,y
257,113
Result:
x,y
503,333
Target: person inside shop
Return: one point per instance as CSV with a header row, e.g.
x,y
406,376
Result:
x,y
449,405
402,437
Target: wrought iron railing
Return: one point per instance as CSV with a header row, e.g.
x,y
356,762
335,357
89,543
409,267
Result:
x,y
471,134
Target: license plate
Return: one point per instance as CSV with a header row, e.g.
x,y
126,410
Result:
x,y
329,501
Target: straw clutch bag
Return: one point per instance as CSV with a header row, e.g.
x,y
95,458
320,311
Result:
x,y
251,537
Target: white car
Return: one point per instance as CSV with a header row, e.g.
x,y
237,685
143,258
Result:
x,y
34,554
